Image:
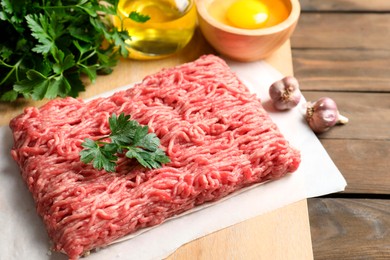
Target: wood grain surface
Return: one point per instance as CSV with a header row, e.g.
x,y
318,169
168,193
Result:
x,y
341,49
346,5
364,163
350,228
344,69
270,236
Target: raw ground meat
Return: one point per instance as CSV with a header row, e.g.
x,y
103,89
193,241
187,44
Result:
x,y
216,133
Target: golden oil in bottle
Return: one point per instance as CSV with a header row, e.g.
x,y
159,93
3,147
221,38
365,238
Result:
x,y
170,27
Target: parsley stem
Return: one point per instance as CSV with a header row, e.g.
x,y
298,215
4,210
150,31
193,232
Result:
x,y
86,58
14,68
6,64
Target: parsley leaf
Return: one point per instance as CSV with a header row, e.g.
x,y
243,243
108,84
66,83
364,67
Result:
x,y
122,130
145,140
47,46
139,18
101,156
46,30
128,137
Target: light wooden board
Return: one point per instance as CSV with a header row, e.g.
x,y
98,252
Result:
x,y
281,234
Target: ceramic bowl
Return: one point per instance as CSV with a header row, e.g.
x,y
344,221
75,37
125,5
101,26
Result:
x,y
246,44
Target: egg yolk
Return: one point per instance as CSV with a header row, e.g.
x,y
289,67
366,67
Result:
x,y
248,14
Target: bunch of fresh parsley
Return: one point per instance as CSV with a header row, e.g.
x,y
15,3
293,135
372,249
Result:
x,y
46,46
127,137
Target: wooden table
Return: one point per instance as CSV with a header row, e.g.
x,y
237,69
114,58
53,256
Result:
x,y
341,49
280,234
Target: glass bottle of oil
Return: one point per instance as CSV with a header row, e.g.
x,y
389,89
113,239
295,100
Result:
x,y
170,27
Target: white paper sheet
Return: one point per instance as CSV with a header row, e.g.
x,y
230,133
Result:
x,y
23,235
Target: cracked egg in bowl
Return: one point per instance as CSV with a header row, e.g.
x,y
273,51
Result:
x,y
247,30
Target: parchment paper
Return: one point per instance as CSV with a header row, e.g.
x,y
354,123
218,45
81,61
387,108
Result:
x,y
23,235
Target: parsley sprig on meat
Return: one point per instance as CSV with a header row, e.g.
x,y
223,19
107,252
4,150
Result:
x,y
47,45
127,137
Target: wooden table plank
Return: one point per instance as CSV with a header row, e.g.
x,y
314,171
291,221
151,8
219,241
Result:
x,y
365,164
342,69
346,5
350,228
342,30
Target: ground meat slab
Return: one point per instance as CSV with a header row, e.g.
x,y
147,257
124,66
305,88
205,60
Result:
x,y
216,133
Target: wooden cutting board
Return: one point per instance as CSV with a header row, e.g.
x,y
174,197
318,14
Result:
x,y
280,234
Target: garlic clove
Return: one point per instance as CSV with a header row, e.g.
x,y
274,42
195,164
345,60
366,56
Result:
x,y
323,115
285,93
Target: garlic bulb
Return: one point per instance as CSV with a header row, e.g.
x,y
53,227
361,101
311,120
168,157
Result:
x,y
323,114
285,93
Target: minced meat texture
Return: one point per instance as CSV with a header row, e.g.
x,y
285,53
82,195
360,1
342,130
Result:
x,y
216,133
